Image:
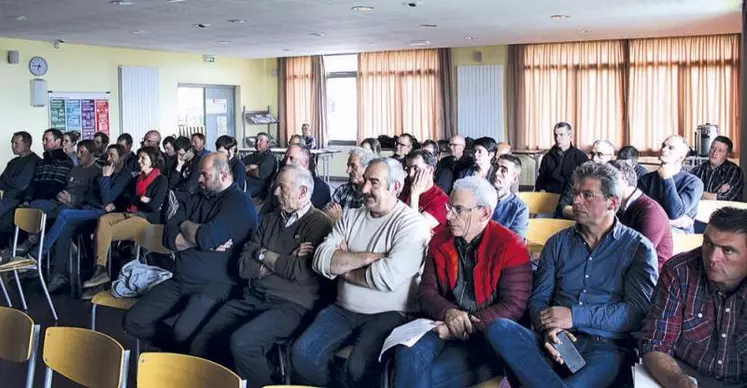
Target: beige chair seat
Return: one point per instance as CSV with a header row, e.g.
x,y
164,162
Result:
x,y
105,298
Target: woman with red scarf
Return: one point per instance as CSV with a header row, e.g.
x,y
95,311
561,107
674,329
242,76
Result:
x,y
139,207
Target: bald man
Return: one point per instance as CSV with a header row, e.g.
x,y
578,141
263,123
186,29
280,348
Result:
x,y
207,234
602,151
675,189
447,167
152,138
503,148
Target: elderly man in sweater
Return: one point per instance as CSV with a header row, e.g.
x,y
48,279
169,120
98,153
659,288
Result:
x,y
376,254
476,271
281,290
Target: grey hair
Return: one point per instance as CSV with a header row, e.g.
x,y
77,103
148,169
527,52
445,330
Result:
x,y
395,170
627,171
301,177
365,155
605,142
607,176
484,192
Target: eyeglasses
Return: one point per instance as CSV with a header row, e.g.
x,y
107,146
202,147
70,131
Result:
x,y
458,209
403,145
455,145
598,154
587,195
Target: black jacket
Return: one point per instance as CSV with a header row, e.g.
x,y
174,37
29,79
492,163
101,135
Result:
x,y
17,176
555,170
151,211
50,176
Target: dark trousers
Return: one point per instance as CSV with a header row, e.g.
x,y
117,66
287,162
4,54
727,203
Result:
x,y
250,327
313,353
191,304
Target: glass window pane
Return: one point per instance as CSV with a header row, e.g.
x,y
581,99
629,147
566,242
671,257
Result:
x,y
190,106
338,63
342,108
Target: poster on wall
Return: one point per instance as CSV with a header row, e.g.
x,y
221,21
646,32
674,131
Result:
x,y
222,124
216,106
86,113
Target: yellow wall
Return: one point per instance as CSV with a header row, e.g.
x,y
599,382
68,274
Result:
x,y
79,68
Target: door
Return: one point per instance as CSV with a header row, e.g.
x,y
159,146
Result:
x,y
220,113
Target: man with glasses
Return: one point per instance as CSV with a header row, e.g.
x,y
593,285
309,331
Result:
x,y
420,192
602,151
152,138
447,167
594,282
402,147
456,293
558,164
510,211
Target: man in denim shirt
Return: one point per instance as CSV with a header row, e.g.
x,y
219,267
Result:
x,y
510,211
594,281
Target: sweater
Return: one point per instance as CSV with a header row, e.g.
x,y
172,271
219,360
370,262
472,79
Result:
x,y
223,216
50,176
447,170
502,276
679,195
727,173
17,176
267,165
391,282
319,197
81,181
649,218
292,278
239,172
556,169
151,211
512,213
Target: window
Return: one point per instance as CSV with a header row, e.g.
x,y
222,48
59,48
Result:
x,y
190,106
342,97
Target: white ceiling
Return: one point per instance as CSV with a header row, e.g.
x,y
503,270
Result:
x,y
276,28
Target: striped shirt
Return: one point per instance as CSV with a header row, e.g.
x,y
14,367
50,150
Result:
x,y
348,196
691,320
713,178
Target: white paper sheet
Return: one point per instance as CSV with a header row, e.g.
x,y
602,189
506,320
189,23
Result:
x,y
642,379
407,334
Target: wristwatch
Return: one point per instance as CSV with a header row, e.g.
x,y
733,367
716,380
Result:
x,y
261,255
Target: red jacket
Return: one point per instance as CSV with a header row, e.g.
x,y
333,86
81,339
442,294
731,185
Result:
x,y
502,276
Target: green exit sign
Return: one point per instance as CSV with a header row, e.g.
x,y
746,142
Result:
x,y
208,58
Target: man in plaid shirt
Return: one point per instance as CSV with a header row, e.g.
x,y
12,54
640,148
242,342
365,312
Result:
x,y
349,196
722,178
697,324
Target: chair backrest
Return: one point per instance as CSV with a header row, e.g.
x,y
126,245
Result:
x,y
541,229
17,333
539,202
85,356
30,220
685,242
151,239
158,370
707,207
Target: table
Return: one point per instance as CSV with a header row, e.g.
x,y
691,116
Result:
x,y
535,155
325,153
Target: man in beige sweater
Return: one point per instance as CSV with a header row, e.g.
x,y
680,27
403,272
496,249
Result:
x,y
376,255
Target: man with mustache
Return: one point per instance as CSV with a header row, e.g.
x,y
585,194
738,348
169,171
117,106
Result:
x,y
349,196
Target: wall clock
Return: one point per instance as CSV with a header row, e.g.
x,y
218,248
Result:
x,y
38,66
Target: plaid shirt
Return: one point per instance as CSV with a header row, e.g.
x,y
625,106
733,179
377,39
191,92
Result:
x,y
348,196
727,173
694,322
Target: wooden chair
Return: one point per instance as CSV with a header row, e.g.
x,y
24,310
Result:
x,y
158,370
20,340
86,357
539,203
541,229
707,207
31,221
685,242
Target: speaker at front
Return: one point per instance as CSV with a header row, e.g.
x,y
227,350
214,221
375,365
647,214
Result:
x,y
38,92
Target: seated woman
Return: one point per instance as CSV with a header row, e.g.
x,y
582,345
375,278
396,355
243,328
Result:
x,y
372,144
485,148
137,208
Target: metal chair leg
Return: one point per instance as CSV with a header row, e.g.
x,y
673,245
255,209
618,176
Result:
x,y
93,317
46,293
5,291
20,290
32,360
125,368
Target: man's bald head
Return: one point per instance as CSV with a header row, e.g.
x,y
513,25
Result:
x,y
152,138
503,148
457,145
215,173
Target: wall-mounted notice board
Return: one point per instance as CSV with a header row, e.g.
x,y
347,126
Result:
x,y
86,113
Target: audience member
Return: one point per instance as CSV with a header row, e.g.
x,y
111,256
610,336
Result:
x,y
101,142
448,167
420,193
51,174
168,146
169,155
475,272
629,155
502,148
376,254
594,282
282,289
69,140
308,138
260,167
602,151
183,179
130,161
207,234
510,211
16,178
432,147
642,213
696,327
675,189
298,155
198,144
152,138
482,166
372,144
349,195
722,179
295,140
404,143
138,207
559,162
227,145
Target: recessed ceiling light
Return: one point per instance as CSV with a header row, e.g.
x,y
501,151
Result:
x,y
469,38
138,32
584,31
224,42
176,1
412,4
201,25
316,33
286,49
362,8
420,43
428,25
237,21
121,2
559,17
20,18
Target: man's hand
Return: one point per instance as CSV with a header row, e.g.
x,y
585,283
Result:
x,y
551,337
667,171
64,197
251,167
418,184
110,208
144,199
724,188
682,222
333,211
107,170
443,331
460,323
556,317
304,249
225,246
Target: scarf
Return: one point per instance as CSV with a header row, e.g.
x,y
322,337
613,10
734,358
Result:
x,y
143,181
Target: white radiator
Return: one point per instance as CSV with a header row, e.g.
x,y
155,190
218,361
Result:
x,y
139,101
480,106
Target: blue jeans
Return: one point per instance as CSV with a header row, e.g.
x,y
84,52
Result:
x,y
523,352
313,353
48,206
433,362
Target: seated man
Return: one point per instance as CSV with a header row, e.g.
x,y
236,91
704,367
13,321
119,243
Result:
x,y
198,144
675,189
282,289
375,253
298,155
308,138
642,213
510,211
696,326
130,161
502,148
101,142
448,167
185,173
594,282
348,195
404,143
260,167
420,193
629,155
465,296
152,138
722,179
602,151
207,234
227,146
16,177
559,162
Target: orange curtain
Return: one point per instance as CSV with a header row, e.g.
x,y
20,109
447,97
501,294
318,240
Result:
x,y
298,96
678,83
581,83
398,92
